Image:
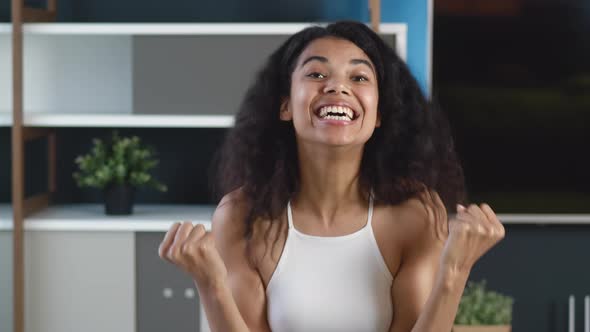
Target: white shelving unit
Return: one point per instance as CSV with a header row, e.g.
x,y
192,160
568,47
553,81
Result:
x,y
86,75
91,217
106,74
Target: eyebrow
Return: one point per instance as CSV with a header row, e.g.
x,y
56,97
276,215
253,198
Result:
x,y
325,60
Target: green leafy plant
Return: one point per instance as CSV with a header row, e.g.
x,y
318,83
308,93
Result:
x,y
120,160
479,306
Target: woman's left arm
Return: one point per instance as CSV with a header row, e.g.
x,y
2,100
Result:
x,y
436,265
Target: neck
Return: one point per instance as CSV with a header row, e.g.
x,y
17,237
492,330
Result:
x,y
329,180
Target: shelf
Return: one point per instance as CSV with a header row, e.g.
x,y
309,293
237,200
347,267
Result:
x,y
550,219
91,217
110,120
47,119
137,29
5,119
159,218
176,28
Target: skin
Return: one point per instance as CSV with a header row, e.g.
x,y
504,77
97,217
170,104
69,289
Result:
x,y
429,255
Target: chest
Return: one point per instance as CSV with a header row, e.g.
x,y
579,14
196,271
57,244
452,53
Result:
x,y
267,245
324,298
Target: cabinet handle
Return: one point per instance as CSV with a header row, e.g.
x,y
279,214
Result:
x,y
189,293
572,314
587,313
168,293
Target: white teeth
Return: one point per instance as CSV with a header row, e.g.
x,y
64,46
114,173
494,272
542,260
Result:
x,y
347,113
335,117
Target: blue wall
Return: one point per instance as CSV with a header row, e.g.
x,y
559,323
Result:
x,y
412,12
415,14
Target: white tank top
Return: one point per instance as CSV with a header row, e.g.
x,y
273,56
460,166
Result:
x,y
338,283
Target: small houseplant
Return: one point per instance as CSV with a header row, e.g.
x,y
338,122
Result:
x,y
118,166
482,310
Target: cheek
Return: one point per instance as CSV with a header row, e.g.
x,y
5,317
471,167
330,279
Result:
x,y
370,100
300,99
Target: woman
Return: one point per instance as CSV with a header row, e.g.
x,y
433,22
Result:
x,y
337,178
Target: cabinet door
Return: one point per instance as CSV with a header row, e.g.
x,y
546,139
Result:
x,y
166,296
6,281
540,266
79,281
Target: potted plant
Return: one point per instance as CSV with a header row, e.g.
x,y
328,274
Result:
x,y
118,166
482,310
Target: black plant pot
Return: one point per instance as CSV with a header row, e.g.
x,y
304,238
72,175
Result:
x,y
118,199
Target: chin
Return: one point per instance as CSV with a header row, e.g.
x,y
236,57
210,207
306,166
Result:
x,y
338,142
332,139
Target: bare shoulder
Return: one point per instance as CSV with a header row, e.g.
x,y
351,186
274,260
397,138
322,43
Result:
x,y
405,220
228,227
395,227
414,216
418,214
399,228
229,217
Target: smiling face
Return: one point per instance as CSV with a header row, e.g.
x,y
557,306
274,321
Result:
x,y
333,98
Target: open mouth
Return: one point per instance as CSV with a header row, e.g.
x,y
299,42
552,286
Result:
x,y
341,113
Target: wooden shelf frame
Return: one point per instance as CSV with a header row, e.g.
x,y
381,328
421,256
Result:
x,y
21,205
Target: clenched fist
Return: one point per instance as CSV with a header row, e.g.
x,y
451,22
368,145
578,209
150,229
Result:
x,y
466,236
193,250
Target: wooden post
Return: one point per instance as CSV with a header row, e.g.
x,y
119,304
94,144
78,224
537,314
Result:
x,y
375,11
17,166
52,6
22,207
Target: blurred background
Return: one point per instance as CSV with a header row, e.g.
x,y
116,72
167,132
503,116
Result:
x,y
514,77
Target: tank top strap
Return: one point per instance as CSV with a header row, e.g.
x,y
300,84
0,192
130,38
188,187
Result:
x,y
370,217
289,215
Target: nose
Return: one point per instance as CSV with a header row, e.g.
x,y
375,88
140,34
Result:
x,y
336,86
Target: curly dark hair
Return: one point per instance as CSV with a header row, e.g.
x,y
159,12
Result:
x,y
410,152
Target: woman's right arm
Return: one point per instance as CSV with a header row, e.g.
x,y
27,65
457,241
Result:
x,y
243,282
230,288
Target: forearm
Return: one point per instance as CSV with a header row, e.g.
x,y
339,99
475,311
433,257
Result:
x,y
440,309
221,310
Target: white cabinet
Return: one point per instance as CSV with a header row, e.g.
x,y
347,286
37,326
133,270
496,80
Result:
x,y
82,266
5,278
79,281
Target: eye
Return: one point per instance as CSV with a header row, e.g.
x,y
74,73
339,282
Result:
x,y
360,78
316,75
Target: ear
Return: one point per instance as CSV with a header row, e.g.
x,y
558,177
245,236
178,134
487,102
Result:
x,y
378,120
285,112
